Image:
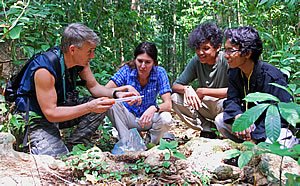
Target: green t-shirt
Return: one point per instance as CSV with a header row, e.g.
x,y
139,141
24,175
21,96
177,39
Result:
x,y
211,76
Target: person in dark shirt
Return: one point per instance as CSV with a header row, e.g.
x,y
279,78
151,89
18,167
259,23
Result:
x,y
59,106
247,74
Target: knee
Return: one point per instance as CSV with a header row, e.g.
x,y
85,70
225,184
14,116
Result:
x,y
117,107
177,98
166,118
219,122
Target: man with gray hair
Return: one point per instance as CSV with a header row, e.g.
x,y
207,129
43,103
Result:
x,y
48,88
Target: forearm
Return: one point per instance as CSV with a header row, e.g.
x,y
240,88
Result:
x,y
65,113
213,92
101,91
178,88
166,105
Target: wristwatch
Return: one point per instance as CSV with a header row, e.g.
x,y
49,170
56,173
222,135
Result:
x,y
157,108
114,95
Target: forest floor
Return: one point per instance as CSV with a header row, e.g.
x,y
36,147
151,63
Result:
x,y
97,167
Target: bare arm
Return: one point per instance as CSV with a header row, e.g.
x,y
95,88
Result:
x,y
166,106
190,95
47,99
179,88
127,88
213,92
149,113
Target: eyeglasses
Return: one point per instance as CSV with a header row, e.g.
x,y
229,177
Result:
x,y
231,51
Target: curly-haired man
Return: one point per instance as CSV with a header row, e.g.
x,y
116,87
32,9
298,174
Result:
x,y
198,107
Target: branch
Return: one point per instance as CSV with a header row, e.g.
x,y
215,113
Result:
x,y
16,21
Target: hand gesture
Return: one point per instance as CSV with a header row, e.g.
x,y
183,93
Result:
x,y
100,105
245,134
135,93
146,118
191,98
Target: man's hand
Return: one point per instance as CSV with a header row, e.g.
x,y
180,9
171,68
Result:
x,y
100,105
136,93
245,134
128,94
191,98
200,93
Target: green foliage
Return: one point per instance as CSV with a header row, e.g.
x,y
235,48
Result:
x,y
293,179
89,164
205,180
274,110
32,26
287,60
105,141
172,147
253,150
248,117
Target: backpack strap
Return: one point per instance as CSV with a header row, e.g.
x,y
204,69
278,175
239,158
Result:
x,y
53,56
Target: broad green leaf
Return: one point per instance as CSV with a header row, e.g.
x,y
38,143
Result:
x,y
179,155
259,96
296,48
274,60
286,72
232,153
292,87
167,156
290,112
278,149
282,87
15,32
163,144
45,47
248,144
276,56
244,158
287,68
297,148
272,123
292,179
297,91
24,19
248,117
262,2
166,164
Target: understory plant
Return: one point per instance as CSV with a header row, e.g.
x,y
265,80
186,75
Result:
x,y
91,164
274,111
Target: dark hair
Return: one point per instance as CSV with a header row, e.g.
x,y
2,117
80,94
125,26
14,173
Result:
x,y
207,31
76,34
144,48
248,40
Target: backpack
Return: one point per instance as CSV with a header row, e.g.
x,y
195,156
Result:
x,y
10,91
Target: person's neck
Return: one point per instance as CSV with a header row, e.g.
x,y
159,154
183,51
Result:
x,y
68,61
247,68
143,81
